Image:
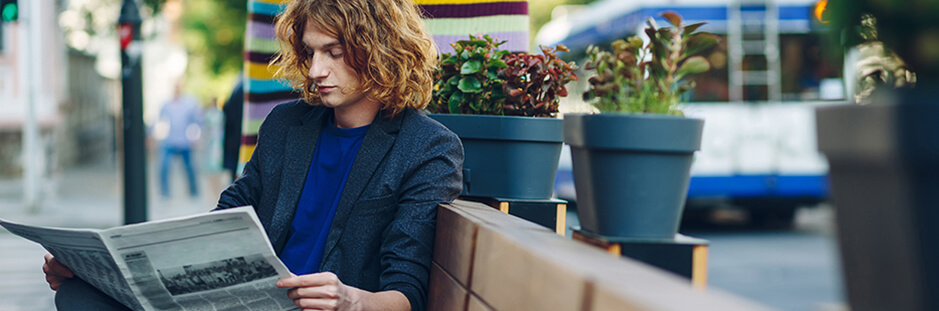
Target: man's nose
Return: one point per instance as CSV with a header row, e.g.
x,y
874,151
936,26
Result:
x,y
318,68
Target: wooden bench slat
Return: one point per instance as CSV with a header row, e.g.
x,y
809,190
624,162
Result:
x,y
445,294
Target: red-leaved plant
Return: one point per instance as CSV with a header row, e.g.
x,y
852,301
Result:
x,y
534,84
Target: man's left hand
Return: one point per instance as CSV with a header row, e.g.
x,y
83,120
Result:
x,y
321,291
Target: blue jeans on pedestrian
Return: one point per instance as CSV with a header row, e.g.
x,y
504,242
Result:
x,y
76,295
184,155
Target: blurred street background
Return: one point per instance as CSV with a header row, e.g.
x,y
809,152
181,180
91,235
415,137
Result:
x,y
758,189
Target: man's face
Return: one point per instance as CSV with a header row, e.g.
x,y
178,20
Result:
x,y
332,77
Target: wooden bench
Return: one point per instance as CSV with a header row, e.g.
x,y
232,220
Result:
x,y
488,260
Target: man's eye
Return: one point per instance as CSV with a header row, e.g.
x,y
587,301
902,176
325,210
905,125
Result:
x,y
335,53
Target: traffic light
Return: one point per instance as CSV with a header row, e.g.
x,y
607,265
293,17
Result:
x,y
9,10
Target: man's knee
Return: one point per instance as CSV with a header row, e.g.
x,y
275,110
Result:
x,y
75,294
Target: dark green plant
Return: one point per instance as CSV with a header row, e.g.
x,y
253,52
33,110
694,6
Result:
x,y
467,80
648,78
908,28
534,84
478,78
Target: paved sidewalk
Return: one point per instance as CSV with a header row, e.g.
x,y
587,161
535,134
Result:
x,y
80,197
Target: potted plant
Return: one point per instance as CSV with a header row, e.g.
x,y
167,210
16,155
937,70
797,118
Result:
x,y
632,161
881,154
503,107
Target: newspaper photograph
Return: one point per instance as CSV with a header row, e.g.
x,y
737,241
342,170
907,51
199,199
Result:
x,y
215,261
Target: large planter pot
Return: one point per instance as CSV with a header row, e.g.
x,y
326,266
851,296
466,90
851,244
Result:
x,y
631,172
507,156
884,177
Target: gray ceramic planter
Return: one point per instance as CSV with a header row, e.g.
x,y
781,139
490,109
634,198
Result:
x,y
884,178
507,156
631,172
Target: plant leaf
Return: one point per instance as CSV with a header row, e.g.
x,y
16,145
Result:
x,y
684,88
471,67
650,32
492,75
693,65
497,63
479,53
470,85
699,42
673,18
445,88
456,99
635,42
448,60
691,28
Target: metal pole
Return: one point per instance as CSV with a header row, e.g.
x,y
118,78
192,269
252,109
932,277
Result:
x,y
31,156
135,162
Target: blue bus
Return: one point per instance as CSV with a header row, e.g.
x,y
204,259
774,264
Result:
x,y
768,74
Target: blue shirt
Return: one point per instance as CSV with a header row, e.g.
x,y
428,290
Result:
x,y
181,118
332,160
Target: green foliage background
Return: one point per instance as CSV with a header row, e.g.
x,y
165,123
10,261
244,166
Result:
x,y
213,33
539,13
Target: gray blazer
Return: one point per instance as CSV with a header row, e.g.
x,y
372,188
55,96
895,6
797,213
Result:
x,y
382,234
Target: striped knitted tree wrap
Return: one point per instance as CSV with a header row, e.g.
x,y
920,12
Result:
x,y
447,20
262,90
453,20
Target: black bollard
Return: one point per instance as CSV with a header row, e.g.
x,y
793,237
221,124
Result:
x,y
135,174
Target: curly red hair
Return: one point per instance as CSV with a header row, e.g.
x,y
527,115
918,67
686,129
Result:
x,y
385,41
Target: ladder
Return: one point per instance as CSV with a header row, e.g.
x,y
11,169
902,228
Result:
x,y
753,42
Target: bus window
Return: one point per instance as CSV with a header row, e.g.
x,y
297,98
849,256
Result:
x,y
805,67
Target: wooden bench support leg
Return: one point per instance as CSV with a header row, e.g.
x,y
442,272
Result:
x,y
699,270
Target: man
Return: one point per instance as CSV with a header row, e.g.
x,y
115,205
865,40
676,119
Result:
x,y
177,130
349,185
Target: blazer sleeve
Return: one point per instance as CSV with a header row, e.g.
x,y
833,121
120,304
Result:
x,y
247,189
407,243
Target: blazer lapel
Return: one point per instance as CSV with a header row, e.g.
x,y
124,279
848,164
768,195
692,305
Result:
x,y
301,142
378,141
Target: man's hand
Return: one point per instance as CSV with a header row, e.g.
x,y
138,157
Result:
x,y
321,291
55,272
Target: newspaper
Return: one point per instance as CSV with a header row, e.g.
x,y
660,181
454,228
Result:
x,y
215,261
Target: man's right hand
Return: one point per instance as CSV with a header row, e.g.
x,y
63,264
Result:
x,y
56,273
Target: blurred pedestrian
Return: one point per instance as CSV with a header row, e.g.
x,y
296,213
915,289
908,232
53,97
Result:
x,y
177,130
233,110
